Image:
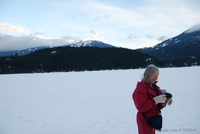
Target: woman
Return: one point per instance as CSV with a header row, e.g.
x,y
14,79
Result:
x,y
148,99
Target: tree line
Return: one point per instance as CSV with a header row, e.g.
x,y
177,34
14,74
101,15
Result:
x,y
66,58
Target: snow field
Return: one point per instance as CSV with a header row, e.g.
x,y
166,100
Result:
x,y
96,102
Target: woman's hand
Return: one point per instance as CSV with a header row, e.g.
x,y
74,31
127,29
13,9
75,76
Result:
x,y
160,99
168,101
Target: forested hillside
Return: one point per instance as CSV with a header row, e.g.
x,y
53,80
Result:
x,y
77,59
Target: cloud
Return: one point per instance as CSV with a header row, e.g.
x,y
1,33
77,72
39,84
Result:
x,y
69,39
36,39
93,34
19,29
43,37
101,17
10,42
150,36
162,38
28,40
84,15
12,28
194,28
155,17
131,36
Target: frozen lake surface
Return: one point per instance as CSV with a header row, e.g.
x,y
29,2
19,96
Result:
x,y
95,102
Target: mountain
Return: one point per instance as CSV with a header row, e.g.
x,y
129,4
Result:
x,y
20,52
67,58
91,43
88,43
184,47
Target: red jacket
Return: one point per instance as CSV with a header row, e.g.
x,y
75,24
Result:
x,y
143,99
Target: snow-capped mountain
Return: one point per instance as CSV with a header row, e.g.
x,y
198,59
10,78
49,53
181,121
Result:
x,y
91,43
185,45
88,43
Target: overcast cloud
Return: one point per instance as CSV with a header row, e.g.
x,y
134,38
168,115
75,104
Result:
x,y
10,42
130,24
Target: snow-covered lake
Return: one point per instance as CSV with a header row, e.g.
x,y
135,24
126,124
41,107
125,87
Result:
x,y
96,102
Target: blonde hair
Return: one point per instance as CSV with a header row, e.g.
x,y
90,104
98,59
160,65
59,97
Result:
x,y
148,72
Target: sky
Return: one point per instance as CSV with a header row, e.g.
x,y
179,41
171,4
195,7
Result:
x,y
128,23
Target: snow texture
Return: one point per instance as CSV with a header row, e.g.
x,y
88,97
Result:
x,y
96,102
194,28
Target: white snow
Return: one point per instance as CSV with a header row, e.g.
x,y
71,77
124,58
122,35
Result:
x,y
83,43
165,44
193,29
53,52
96,102
177,41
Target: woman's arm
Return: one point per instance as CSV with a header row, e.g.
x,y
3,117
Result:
x,y
142,101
